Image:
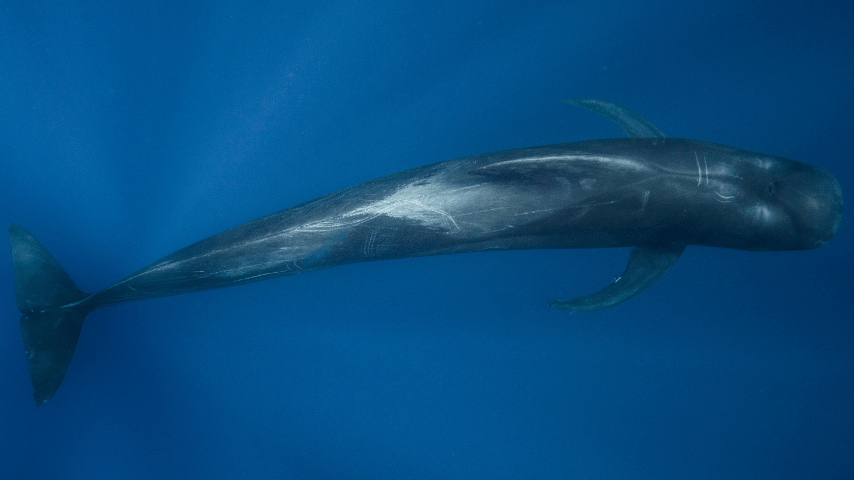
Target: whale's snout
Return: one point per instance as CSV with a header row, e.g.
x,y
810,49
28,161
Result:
x,y
814,200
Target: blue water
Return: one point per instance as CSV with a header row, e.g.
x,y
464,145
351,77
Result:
x,y
131,129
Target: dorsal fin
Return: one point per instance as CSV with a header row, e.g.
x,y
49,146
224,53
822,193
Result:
x,y
631,122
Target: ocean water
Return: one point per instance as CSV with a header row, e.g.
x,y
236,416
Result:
x,y
131,129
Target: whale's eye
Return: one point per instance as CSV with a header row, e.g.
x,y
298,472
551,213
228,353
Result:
x,y
772,188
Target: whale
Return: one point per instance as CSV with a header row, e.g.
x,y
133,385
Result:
x,y
649,192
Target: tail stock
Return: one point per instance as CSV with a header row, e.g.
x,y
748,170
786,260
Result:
x,y
53,316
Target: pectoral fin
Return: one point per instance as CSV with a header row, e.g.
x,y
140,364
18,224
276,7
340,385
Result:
x,y
646,266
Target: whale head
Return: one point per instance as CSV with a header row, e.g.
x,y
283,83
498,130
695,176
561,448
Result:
x,y
809,200
783,204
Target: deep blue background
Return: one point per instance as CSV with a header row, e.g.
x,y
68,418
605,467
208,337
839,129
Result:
x,y
128,131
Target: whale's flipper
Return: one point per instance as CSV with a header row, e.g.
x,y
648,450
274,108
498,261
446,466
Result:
x,y
52,318
646,266
632,123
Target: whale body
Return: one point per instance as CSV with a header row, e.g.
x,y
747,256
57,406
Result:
x,y
655,194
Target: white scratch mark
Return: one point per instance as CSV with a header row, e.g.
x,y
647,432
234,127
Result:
x,y
435,210
706,164
545,210
257,276
699,169
585,209
723,198
610,161
644,201
476,212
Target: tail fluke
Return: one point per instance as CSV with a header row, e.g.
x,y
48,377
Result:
x,y
52,319
49,339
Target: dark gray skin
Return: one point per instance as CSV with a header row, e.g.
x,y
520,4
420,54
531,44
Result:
x,y
655,194
601,193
